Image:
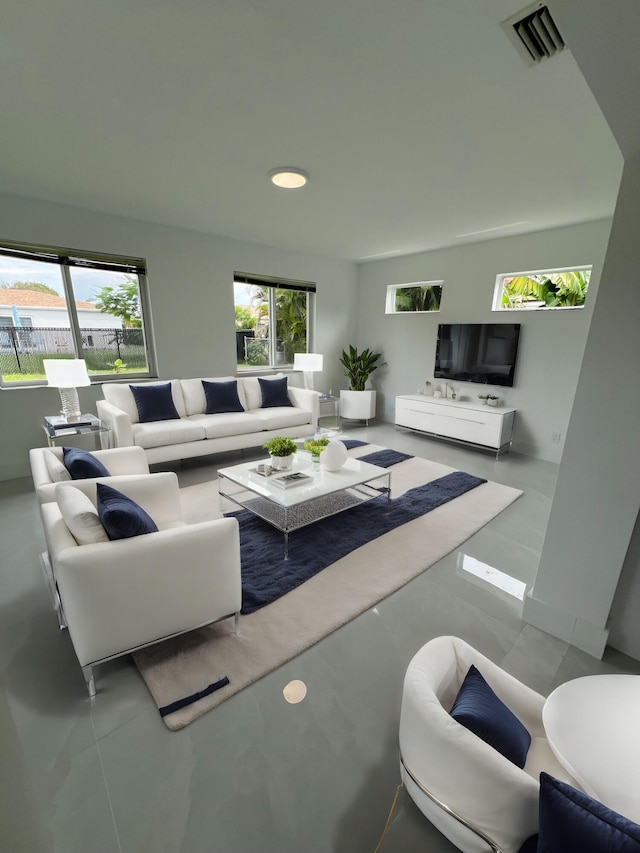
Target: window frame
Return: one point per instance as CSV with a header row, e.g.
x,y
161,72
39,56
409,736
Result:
x,y
272,284
66,259
496,305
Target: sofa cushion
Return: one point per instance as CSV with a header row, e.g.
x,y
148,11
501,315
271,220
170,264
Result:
x,y
571,820
154,403
274,392
159,433
229,423
81,464
55,465
194,400
479,709
80,515
281,417
221,397
121,517
253,391
121,396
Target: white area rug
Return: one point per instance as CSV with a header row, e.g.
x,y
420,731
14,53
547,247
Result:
x,y
277,633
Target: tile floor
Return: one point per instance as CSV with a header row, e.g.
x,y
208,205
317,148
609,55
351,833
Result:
x,y
255,774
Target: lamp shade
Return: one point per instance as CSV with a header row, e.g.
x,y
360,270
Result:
x,y
310,362
66,372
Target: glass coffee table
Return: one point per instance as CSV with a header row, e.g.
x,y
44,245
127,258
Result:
x,y
315,493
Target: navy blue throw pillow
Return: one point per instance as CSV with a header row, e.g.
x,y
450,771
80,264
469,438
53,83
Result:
x,y
81,464
120,516
478,709
221,397
274,392
572,822
154,403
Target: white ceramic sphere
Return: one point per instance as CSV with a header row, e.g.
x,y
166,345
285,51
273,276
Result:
x,y
334,455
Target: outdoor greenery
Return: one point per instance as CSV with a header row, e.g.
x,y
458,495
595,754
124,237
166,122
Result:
x,y
245,318
561,290
122,301
280,445
291,318
425,297
359,366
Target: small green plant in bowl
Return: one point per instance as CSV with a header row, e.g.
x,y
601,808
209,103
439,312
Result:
x,y
280,445
315,446
489,399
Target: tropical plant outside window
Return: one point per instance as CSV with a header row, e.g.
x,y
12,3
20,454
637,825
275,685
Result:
x,y
272,319
59,303
527,291
417,297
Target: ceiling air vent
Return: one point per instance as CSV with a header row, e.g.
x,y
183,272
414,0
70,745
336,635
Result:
x,y
534,34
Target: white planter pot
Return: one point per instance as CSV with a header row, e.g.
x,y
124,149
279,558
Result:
x,y
282,463
358,405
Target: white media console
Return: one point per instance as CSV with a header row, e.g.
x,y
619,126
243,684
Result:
x,y
483,426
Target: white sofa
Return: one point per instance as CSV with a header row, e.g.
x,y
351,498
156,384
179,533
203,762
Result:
x,y
118,596
47,468
199,434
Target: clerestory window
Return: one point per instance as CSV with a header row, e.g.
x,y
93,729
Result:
x,y
542,289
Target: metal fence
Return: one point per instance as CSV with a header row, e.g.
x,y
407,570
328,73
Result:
x,y
23,348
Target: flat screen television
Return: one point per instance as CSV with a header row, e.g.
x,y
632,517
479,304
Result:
x,y
477,352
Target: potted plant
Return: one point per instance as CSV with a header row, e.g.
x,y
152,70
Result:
x,y
489,399
315,446
281,450
358,403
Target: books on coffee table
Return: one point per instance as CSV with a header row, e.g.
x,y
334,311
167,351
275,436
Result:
x,y
293,479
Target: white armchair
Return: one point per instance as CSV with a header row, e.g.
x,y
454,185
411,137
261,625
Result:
x,y
46,465
474,795
118,596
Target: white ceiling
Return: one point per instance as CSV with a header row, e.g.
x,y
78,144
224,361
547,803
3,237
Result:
x,y
416,119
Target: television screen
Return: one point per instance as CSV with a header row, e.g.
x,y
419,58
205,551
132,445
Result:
x,y
477,352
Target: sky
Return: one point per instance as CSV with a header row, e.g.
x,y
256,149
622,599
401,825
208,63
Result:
x,y
86,282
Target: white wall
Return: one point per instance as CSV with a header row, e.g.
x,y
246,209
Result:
x,y
597,495
190,282
551,342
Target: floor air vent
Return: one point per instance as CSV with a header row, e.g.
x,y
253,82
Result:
x,y
534,34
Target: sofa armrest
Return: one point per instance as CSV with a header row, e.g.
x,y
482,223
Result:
x,y
120,595
305,398
118,421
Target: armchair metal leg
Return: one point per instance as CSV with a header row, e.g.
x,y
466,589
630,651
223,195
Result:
x,y
87,671
236,623
491,844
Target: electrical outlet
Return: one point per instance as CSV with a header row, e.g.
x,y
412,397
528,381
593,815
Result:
x,y
555,437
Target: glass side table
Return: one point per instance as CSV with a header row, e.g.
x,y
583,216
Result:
x,y
326,401
59,431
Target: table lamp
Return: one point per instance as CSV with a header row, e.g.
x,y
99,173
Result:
x,y
309,363
67,374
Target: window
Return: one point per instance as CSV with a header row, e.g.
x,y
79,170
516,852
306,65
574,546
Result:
x,y
63,303
419,297
542,289
273,320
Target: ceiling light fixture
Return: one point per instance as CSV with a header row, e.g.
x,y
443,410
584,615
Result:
x,y
289,177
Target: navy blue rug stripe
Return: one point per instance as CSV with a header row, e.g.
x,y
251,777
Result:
x,y
385,458
189,700
266,575
350,443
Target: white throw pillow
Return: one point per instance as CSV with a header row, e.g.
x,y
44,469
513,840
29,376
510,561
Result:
x,y
80,516
55,467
